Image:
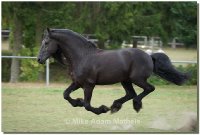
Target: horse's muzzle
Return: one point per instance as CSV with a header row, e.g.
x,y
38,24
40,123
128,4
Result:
x,y
40,61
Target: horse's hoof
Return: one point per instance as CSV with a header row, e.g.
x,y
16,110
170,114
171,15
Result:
x,y
104,109
115,107
79,102
137,105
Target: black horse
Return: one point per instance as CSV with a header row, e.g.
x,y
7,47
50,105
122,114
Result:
x,y
90,66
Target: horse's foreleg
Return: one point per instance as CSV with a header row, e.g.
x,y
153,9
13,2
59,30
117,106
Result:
x,y
148,88
130,94
73,102
87,99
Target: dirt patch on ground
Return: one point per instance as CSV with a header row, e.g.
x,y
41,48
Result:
x,y
160,123
190,123
186,123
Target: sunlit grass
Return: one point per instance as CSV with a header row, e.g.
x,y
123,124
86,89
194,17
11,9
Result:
x,y
36,108
180,54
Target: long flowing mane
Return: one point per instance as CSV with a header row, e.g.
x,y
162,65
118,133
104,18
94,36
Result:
x,y
82,38
67,60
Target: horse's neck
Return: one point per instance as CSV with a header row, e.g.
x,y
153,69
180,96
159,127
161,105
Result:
x,y
73,48
76,54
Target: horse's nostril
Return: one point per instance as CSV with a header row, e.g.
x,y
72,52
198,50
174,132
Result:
x,y
38,60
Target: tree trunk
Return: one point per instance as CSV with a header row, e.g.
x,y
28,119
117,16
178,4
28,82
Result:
x,y
38,38
17,43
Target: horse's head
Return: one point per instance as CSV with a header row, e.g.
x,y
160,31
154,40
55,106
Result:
x,y
48,48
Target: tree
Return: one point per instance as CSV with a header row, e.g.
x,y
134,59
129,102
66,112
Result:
x,y
186,22
14,16
115,21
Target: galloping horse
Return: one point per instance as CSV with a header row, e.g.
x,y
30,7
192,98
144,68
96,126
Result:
x,y
90,66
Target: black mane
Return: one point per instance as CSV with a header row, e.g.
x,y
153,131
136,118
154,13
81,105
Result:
x,y
70,32
66,60
59,55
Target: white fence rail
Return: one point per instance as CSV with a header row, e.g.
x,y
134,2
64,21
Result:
x,y
185,62
19,57
47,63
29,57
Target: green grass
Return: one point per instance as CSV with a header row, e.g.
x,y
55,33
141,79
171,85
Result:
x,y
36,108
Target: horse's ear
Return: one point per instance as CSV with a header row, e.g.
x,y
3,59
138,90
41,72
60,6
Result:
x,y
48,31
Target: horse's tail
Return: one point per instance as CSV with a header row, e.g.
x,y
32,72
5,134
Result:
x,y
164,68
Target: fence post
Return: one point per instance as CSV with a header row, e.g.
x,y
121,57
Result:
x,y
47,72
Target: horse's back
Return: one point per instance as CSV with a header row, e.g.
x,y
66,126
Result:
x,y
119,65
137,63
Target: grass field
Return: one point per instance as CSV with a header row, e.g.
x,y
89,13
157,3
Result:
x,y
180,54
36,108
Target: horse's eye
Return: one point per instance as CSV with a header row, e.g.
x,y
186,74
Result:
x,y
45,45
46,41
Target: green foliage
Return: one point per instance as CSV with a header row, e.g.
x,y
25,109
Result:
x,y
115,21
185,22
58,73
5,66
30,68
156,80
108,20
191,69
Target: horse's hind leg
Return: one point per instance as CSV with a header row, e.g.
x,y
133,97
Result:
x,y
66,95
87,98
130,94
148,88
